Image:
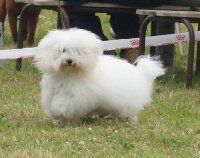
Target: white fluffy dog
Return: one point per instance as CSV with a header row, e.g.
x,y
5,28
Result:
x,y
79,80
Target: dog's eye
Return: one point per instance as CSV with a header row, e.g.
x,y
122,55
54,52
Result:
x,y
63,51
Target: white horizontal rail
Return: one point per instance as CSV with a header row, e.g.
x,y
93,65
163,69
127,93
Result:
x,y
111,44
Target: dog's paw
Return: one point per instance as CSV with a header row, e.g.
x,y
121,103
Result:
x,y
58,123
75,121
133,119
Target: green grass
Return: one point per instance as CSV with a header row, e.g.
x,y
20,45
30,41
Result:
x,y
168,128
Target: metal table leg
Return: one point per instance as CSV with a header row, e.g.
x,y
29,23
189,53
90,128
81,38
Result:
x,y
22,27
190,52
142,35
188,24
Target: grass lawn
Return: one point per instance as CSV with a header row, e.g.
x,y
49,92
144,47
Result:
x,y
168,128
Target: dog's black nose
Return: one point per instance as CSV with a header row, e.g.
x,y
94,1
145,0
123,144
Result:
x,y
69,61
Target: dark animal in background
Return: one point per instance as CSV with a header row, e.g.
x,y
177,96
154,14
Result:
x,y
13,9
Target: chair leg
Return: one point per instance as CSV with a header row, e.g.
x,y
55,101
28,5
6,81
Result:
x,y
190,53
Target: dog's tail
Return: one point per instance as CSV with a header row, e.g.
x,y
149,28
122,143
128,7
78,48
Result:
x,y
151,67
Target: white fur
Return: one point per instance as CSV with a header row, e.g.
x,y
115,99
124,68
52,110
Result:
x,y
92,82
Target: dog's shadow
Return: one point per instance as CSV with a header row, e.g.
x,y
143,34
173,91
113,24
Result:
x,y
94,120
